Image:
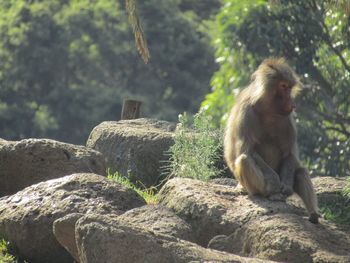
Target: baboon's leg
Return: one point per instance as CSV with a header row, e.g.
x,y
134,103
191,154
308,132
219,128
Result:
x,y
254,178
287,173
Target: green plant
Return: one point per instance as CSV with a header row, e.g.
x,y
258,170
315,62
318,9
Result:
x,y
5,256
197,149
146,193
313,36
59,59
337,209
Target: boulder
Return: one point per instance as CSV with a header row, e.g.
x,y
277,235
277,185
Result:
x,y
215,209
26,218
225,219
31,161
135,148
104,239
151,217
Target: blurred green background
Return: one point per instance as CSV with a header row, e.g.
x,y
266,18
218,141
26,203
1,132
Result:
x,y
67,65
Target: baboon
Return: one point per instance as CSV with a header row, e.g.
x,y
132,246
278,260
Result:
x,y
260,145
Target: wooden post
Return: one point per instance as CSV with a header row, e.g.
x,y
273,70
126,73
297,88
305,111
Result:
x,y
131,109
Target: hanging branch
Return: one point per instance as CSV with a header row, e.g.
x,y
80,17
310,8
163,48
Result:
x,y
140,39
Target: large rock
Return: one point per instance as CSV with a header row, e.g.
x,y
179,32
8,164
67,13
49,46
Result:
x,y
31,161
104,239
134,148
26,218
214,209
154,218
253,226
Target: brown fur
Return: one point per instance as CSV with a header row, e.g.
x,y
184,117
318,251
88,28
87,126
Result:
x,y
260,144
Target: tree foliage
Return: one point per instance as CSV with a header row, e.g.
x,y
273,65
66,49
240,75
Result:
x,y
65,66
196,151
314,36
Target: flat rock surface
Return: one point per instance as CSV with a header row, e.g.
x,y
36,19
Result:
x,y
214,209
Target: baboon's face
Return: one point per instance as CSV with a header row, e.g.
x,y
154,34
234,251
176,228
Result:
x,y
283,100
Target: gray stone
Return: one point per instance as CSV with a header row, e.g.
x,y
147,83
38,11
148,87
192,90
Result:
x,y
151,217
31,161
64,231
135,148
26,218
226,220
104,239
213,209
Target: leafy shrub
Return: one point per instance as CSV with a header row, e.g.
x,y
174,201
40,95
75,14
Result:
x,y
197,149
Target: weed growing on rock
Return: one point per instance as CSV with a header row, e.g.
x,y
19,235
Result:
x,y
196,151
5,256
338,209
146,193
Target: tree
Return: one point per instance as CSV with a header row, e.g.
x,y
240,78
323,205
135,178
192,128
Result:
x,y
65,66
315,39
